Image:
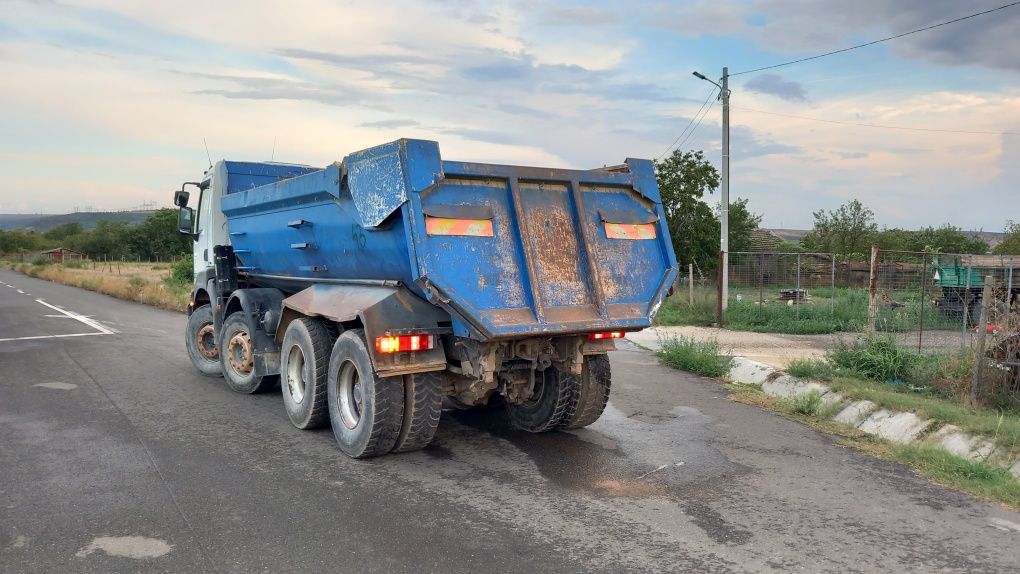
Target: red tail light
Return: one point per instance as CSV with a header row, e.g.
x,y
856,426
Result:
x,y
609,335
400,343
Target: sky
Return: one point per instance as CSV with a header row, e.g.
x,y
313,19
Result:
x,y
106,104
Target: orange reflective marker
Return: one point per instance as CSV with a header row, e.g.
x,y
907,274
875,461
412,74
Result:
x,y
630,231
465,227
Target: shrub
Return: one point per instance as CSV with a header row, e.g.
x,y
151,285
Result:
x,y
877,358
182,270
701,357
42,260
808,403
813,369
137,282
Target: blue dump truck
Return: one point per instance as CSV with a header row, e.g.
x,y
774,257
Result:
x,y
373,289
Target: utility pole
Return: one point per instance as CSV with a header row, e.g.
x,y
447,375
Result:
x,y
724,210
724,207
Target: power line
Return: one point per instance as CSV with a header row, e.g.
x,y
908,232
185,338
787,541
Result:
x,y
663,154
873,42
887,127
697,125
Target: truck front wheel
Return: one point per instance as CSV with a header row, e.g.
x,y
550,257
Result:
x,y
200,340
364,410
237,358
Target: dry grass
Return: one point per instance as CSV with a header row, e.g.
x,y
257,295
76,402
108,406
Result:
x,y
139,282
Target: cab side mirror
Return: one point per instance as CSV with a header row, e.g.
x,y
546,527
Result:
x,y
181,198
186,220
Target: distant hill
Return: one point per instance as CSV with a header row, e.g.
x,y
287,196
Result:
x,y
992,238
45,221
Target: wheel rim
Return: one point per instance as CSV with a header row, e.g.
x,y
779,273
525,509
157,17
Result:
x,y
537,393
297,384
205,341
350,395
239,353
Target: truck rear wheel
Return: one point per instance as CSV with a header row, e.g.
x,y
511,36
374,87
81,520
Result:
x,y
237,358
364,410
423,405
304,363
200,340
589,393
547,405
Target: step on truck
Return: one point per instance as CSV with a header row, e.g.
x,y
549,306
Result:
x,y
373,289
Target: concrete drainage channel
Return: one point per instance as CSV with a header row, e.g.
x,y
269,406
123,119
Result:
x,y
898,427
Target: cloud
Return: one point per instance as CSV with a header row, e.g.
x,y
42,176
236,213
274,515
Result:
x,y
776,85
579,16
795,27
390,124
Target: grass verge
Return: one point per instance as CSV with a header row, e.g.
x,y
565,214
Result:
x,y
688,354
141,283
976,478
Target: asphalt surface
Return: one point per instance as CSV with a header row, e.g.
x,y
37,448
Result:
x,y
116,456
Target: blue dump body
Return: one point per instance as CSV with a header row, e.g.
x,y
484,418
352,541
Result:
x,y
508,251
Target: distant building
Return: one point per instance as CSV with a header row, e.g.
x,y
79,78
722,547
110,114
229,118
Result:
x,y
764,240
62,254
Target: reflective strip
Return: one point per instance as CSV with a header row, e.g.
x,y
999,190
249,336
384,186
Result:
x,y
628,231
469,227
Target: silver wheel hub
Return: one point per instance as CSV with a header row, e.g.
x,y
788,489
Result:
x,y
297,382
350,395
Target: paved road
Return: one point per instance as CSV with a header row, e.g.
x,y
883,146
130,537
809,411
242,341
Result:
x,y
115,456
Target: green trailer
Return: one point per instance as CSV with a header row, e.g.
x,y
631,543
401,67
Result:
x,y
960,280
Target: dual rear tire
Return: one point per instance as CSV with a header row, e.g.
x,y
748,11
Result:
x,y
565,400
371,415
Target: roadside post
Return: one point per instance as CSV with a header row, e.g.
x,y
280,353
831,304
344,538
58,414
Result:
x,y
982,333
873,290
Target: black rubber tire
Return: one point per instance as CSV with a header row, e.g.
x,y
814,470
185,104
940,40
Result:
x,y
544,411
244,383
377,426
201,317
304,393
423,405
589,392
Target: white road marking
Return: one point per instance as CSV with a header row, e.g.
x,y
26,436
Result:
x,y
138,547
90,322
99,327
51,336
57,385
20,291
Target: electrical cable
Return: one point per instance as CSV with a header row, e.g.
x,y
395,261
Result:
x,y
663,154
697,125
873,42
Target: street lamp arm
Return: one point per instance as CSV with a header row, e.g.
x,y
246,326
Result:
x,y
701,76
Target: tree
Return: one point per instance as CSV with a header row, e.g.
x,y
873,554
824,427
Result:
x,y
1011,243
683,178
742,223
62,232
157,237
848,231
947,239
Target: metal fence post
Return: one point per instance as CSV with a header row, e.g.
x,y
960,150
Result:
x,y
966,303
979,352
690,283
873,290
924,283
832,293
797,292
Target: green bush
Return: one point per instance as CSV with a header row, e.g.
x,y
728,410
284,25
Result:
x,y
808,403
42,260
137,282
183,271
876,358
812,369
701,357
